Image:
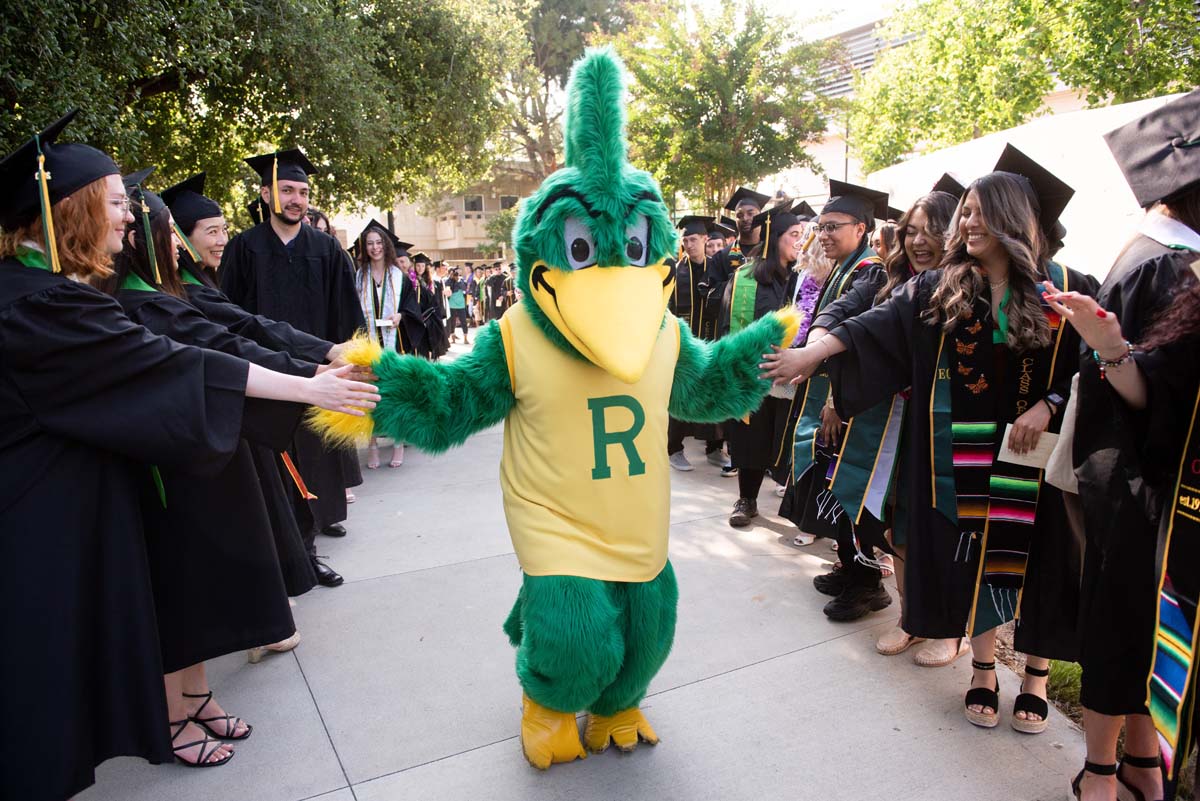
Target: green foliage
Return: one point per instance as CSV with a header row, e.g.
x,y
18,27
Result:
x,y
196,84
972,69
1064,683
723,99
1128,50
499,231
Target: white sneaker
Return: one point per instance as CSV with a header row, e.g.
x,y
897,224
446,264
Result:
x,y
717,459
680,462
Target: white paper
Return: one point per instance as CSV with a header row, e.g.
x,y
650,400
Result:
x,y
1038,457
785,391
386,323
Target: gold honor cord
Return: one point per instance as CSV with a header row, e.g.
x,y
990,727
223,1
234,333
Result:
x,y
187,243
43,179
275,184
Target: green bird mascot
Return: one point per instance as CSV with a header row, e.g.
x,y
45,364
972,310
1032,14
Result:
x,y
584,372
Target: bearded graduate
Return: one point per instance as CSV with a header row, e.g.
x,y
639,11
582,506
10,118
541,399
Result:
x,y
584,371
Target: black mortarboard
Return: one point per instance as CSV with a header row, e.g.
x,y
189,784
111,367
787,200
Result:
x,y
420,257
258,210
894,214
29,186
282,165
145,205
744,195
694,224
730,223
720,230
1052,194
780,218
860,202
375,225
1159,153
188,204
951,185
804,211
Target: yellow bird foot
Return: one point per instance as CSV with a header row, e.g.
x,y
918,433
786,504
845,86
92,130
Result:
x,y
548,736
624,729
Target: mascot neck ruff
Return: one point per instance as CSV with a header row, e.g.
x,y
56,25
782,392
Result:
x,y
584,372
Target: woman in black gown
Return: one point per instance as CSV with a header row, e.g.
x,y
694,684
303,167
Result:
x,y
981,351
74,447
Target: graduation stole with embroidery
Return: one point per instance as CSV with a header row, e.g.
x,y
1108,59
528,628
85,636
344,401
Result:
x,y
1171,688
742,297
996,501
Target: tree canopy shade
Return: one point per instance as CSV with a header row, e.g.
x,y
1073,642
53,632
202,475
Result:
x,y
975,68
363,86
721,100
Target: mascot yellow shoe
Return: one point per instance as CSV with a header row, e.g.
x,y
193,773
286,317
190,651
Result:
x,y
584,372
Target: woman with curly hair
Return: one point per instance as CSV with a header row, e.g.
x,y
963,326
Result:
x,y
982,354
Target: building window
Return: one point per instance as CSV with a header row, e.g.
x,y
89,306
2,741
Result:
x,y
508,202
472,202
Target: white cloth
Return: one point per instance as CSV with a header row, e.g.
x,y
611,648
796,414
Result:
x,y
392,287
1168,231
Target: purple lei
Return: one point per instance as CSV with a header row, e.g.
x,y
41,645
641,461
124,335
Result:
x,y
810,290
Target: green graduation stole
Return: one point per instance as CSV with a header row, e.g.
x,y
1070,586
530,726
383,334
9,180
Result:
x,y
1171,686
134,281
32,258
742,297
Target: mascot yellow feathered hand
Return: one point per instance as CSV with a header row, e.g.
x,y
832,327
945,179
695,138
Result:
x,y
584,372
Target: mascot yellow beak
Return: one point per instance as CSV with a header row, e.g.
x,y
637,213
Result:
x,y
611,315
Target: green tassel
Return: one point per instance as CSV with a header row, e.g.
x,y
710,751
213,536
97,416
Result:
x,y
149,237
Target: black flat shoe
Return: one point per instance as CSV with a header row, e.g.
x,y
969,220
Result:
x,y
336,530
326,575
1094,769
229,723
1136,762
857,602
982,696
1031,704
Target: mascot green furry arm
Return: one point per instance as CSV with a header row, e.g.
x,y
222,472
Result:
x,y
584,372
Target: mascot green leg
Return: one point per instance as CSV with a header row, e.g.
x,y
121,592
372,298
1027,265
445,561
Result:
x,y
588,644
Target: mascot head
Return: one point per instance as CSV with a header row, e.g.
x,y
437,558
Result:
x,y
593,240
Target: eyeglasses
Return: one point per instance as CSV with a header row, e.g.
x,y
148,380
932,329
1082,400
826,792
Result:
x,y
829,228
121,203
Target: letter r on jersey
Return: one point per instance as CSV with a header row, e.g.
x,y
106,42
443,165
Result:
x,y
602,438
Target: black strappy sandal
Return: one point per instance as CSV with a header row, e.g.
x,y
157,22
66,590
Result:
x,y
205,751
1031,704
1136,762
231,722
1094,769
981,696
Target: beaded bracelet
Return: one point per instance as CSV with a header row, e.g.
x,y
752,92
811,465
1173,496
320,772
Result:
x,y
1105,365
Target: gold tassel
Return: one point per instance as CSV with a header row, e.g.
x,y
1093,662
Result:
x,y
275,184
767,239
808,242
187,243
47,217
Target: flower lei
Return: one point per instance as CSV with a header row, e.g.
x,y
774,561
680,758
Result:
x,y
810,290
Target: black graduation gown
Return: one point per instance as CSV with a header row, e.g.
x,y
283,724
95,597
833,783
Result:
x,y
691,301
271,334
890,348
309,285
1122,495
214,538
434,345
763,443
497,297
87,400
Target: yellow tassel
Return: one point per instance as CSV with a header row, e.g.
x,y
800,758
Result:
x,y
767,238
47,216
275,184
346,430
808,242
187,244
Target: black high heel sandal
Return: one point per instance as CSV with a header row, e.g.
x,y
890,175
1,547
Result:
x,y
204,744
1136,762
1031,704
1094,769
231,722
982,696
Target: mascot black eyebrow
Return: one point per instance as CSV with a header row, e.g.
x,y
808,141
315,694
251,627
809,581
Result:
x,y
584,372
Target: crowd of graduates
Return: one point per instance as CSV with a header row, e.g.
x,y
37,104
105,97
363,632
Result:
x,y
1015,441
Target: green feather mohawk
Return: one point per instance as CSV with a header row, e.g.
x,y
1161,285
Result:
x,y
597,186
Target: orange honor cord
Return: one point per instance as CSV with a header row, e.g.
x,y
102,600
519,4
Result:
x,y
295,474
43,179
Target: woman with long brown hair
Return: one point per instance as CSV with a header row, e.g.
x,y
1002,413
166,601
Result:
x,y
981,354
82,600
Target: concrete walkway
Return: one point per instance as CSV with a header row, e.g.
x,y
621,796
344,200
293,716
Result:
x,y
403,686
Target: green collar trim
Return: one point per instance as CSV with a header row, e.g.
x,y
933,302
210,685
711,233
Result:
x,y
185,275
1000,332
32,258
134,282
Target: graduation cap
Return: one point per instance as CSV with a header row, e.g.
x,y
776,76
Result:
x,y
860,202
694,224
375,225
1051,193
893,214
951,185
730,223
804,211
258,210
420,258
719,229
282,165
1159,153
780,218
42,172
146,205
744,195
188,204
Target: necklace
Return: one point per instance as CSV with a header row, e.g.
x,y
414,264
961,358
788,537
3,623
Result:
x,y
998,284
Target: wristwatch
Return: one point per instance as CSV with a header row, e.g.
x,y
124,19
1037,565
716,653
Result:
x,y
1055,401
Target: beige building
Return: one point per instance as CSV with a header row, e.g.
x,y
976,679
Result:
x,y
450,227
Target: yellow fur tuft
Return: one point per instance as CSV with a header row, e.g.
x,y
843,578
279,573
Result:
x,y
789,318
345,430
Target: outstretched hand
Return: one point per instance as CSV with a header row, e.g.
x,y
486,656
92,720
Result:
x,y
1100,329
790,365
338,391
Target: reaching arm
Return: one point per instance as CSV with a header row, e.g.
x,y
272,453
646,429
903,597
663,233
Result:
x,y
432,405
717,381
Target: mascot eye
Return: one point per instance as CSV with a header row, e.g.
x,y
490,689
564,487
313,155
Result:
x,y
581,248
637,241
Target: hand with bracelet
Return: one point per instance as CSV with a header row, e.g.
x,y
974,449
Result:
x,y
1101,331
794,365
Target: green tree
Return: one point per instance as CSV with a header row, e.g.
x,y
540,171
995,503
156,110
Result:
x,y
721,100
499,230
362,85
1124,51
972,68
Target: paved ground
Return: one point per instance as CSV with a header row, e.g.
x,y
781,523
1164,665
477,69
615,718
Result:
x,y
403,687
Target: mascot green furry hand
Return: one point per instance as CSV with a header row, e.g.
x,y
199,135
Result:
x,y
584,371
